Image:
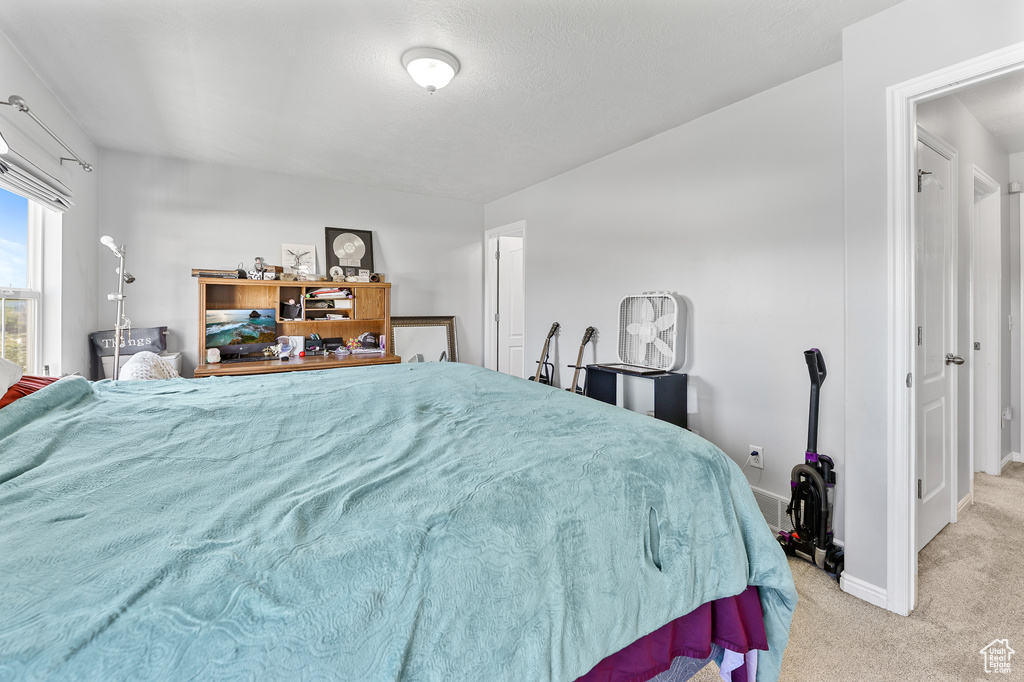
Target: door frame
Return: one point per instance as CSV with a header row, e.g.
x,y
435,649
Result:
x,y
948,152
985,410
516,229
901,124
1017,213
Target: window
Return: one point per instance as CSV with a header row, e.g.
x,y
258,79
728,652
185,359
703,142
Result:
x,y
20,231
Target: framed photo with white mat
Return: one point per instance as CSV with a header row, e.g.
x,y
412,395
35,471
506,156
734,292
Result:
x,y
298,258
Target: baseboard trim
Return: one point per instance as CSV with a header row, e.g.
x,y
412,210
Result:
x,y
872,594
966,502
1016,456
1007,458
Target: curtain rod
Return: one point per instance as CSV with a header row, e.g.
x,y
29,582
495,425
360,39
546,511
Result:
x,y
19,104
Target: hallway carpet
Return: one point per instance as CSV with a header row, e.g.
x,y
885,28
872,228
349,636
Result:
x,y
970,592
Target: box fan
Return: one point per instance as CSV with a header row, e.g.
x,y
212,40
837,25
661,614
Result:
x,y
652,330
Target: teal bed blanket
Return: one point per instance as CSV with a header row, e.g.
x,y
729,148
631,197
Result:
x,y
430,521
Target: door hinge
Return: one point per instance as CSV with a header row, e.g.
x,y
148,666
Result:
x,y
921,173
919,488
497,255
910,379
920,335
497,317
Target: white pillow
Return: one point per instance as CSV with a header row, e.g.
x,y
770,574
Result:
x,y
10,374
147,365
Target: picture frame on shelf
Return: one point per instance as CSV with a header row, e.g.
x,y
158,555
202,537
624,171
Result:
x,y
348,248
299,258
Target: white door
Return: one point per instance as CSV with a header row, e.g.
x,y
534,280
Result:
x,y
511,297
936,405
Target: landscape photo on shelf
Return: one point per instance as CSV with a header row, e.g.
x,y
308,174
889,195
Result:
x,y
226,327
298,258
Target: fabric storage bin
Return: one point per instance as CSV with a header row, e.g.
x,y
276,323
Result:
x,y
101,345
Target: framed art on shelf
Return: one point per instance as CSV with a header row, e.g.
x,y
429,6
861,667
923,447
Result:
x,y
299,258
349,248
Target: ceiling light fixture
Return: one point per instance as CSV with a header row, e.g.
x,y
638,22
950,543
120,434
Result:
x,y
430,68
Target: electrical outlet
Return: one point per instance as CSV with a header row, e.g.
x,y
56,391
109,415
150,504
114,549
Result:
x,y
757,456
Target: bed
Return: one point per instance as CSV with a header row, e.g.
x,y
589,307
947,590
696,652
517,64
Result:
x,y
432,521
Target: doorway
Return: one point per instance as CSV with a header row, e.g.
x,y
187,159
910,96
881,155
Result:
x,y
986,298
505,299
903,372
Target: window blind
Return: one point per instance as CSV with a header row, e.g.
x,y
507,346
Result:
x,y
21,176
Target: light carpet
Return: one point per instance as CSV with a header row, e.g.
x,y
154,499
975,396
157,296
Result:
x,y
970,592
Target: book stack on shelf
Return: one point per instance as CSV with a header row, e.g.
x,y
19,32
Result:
x,y
330,299
219,274
269,272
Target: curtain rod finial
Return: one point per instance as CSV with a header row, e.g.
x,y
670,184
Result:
x,y
18,102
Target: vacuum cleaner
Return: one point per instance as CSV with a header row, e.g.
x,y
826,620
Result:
x,y
813,484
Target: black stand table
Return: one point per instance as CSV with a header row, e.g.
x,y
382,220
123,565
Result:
x,y
669,391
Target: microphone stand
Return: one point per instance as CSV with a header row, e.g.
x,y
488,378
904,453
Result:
x,y
120,322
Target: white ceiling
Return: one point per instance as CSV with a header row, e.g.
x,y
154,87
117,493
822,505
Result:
x,y
316,87
998,105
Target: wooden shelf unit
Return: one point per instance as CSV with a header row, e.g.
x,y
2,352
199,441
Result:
x,y
370,312
294,364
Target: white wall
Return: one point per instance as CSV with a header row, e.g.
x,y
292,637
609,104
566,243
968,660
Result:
x,y
71,270
740,212
950,120
1017,167
909,40
176,215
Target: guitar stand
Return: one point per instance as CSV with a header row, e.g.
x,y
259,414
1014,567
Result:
x,y
548,370
583,390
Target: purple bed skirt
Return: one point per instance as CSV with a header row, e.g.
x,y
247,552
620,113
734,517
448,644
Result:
x,y
734,623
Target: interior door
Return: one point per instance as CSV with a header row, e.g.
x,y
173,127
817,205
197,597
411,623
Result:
x,y
936,406
511,307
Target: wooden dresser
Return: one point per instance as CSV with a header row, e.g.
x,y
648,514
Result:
x,y
369,311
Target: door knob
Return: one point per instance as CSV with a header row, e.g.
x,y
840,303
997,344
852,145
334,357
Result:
x,y
954,359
